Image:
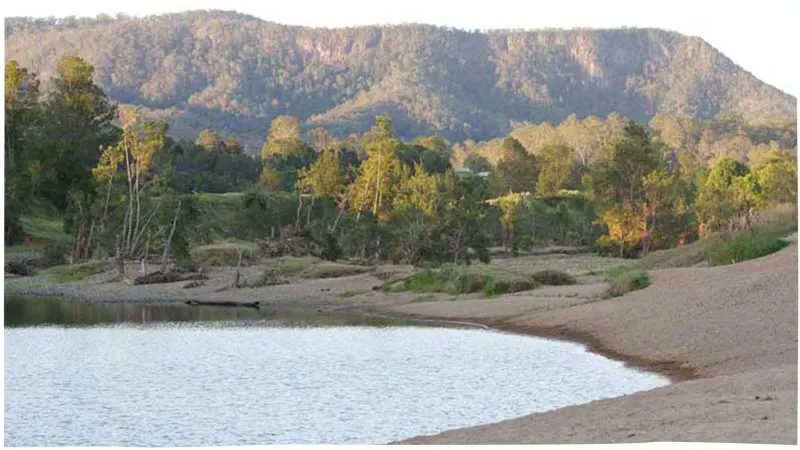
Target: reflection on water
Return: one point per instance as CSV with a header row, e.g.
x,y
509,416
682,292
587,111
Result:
x,y
32,311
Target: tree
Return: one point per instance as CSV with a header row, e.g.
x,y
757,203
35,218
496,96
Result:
x,y
477,163
284,128
778,180
374,189
556,162
324,178
77,122
135,152
517,170
233,145
716,204
22,119
209,140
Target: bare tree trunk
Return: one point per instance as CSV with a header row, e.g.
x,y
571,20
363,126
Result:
x,y
120,260
144,227
308,212
88,250
146,252
104,222
240,251
165,256
299,209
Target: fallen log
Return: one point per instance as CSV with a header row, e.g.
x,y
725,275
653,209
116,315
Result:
x,y
255,305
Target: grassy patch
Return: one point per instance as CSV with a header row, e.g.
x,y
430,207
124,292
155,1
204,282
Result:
x,y
392,272
226,254
311,267
553,278
612,273
743,246
722,248
686,256
628,281
465,280
349,294
77,272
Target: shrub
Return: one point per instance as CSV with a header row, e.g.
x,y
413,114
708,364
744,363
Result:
x,y
553,278
468,280
55,254
628,281
743,246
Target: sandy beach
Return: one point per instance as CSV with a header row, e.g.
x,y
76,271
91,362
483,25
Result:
x,y
727,337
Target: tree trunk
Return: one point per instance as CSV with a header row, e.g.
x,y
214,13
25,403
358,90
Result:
x,y
308,212
299,210
88,250
120,260
104,221
165,256
240,251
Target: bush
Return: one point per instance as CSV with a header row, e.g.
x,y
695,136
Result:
x,y
468,280
628,281
743,246
553,278
55,254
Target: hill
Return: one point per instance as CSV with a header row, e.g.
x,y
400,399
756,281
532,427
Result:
x,y
234,73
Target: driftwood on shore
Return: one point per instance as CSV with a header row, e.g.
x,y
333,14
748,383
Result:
x,y
223,303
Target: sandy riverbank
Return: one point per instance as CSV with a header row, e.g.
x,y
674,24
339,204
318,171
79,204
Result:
x,y
727,335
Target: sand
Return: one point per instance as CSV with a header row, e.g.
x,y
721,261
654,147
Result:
x,y
726,335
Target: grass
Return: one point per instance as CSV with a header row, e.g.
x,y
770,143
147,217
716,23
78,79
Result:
x,y
722,248
226,254
349,294
628,281
553,278
465,280
743,246
311,267
76,272
390,273
614,272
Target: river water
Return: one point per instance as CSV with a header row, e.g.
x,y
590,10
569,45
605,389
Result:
x,y
171,375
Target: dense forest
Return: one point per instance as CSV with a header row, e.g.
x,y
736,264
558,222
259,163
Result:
x,y
234,73
124,187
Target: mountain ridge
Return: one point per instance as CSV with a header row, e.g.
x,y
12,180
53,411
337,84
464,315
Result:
x,y
233,72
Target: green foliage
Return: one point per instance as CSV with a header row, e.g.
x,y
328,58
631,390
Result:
x,y
628,281
456,280
516,171
553,278
743,246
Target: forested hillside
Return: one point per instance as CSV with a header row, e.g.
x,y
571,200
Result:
x,y
234,73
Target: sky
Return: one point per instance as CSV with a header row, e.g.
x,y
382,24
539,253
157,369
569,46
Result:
x,y
760,36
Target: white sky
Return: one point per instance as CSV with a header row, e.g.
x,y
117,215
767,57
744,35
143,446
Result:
x,y
761,36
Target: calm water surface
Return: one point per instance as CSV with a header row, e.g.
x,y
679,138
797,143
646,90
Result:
x,y
162,375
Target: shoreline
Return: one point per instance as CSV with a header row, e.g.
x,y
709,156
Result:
x,y
724,336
